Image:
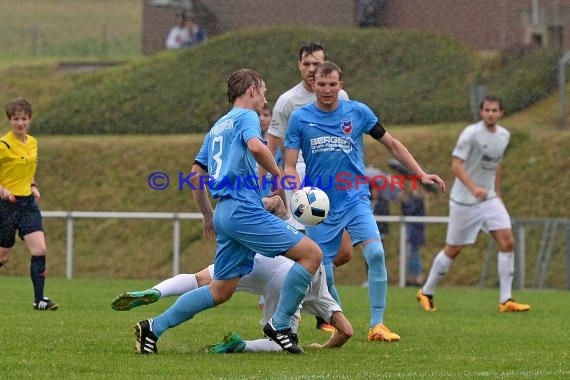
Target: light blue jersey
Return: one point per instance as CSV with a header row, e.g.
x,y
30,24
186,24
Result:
x,y
227,158
332,146
239,212
334,154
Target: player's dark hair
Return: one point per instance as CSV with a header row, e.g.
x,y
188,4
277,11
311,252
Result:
x,y
268,107
18,105
240,80
327,67
493,99
309,48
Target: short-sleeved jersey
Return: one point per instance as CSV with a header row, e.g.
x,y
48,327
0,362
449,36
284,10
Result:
x,y
482,152
229,161
18,163
288,102
333,148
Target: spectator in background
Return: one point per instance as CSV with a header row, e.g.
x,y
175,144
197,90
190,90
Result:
x,y
186,34
380,197
414,205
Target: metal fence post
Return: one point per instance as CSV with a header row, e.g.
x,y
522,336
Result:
x,y
567,249
176,247
520,258
403,255
69,247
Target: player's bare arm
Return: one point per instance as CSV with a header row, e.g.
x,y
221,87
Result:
x,y
290,167
342,334
498,181
263,156
402,154
273,144
458,170
274,204
203,202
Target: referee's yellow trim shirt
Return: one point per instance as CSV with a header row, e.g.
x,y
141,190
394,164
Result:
x,y
18,163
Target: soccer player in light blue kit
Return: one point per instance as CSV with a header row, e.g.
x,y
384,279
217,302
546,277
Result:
x,y
329,132
241,225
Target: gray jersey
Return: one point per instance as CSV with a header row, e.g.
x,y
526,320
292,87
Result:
x,y
482,152
288,102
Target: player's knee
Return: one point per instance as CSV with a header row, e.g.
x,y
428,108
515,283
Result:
x,y
507,244
4,255
343,256
39,251
452,251
220,295
374,254
313,257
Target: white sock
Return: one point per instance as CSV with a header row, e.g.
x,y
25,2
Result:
x,y
506,268
261,345
177,285
439,268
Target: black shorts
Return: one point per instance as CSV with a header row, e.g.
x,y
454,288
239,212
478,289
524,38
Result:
x,y
24,216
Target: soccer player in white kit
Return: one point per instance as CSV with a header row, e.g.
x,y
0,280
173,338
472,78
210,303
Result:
x,y
475,203
265,279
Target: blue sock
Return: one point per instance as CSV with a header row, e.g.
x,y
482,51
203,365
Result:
x,y
38,275
377,281
329,270
293,291
185,308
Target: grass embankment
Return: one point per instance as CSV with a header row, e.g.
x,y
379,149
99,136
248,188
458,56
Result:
x,y
110,174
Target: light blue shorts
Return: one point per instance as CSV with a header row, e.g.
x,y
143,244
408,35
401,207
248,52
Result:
x,y
244,229
356,219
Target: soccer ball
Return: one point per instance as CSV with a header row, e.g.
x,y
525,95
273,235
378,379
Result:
x,y
309,206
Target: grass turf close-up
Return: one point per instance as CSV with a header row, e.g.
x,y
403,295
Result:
x,y
467,337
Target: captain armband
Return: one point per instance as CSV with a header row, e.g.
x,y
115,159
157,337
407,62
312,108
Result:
x,y
377,131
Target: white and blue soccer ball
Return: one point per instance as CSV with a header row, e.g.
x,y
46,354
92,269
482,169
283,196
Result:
x,y
309,206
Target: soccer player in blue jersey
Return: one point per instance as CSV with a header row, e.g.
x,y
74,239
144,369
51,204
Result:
x,y
240,224
329,132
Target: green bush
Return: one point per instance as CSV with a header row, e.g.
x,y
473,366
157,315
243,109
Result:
x,y
407,77
522,78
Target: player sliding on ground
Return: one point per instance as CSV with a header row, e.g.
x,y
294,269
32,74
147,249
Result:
x,y
265,279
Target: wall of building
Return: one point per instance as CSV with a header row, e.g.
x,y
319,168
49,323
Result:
x,y
481,24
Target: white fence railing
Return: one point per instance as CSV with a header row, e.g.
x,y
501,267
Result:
x,y
519,229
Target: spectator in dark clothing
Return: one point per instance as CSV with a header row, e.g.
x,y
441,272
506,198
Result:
x,y
414,205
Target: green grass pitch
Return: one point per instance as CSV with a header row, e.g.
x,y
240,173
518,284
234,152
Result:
x,y
466,338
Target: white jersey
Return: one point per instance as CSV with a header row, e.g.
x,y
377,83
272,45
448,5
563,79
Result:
x,y
482,152
267,278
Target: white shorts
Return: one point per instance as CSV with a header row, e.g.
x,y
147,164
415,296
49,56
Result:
x,y
267,278
465,222
289,193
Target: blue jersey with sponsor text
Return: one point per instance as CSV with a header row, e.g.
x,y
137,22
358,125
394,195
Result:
x,y
227,157
332,147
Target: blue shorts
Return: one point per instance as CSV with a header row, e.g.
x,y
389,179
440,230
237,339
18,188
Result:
x,y
357,219
23,217
243,229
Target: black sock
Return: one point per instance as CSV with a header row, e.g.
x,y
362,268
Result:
x,y
320,321
38,275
